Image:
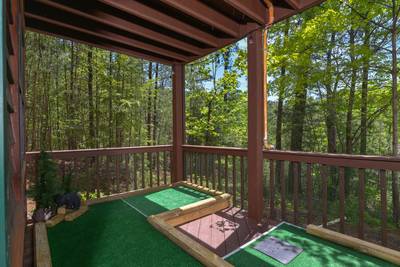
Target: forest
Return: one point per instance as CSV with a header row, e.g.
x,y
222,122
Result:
x,y
332,74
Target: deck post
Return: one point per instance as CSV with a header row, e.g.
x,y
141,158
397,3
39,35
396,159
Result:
x,y
178,84
255,67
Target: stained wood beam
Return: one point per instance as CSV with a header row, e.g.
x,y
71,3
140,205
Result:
x,y
294,4
154,16
30,26
108,19
178,120
110,36
255,63
204,13
254,9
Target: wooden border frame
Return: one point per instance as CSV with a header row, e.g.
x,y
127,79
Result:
x,y
167,221
164,222
368,248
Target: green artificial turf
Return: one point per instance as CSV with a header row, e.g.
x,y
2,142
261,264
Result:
x,y
316,252
115,234
166,199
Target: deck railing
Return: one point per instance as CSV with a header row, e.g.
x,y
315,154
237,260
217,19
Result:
x,y
220,168
304,188
98,172
330,189
299,187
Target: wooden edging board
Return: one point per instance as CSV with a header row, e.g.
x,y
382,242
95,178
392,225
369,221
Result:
x,y
42,249
165,222
387,254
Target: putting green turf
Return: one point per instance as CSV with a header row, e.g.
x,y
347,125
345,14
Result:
x,y
115,234
316,252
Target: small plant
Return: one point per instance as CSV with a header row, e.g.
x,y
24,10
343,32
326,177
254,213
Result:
x,y
46,185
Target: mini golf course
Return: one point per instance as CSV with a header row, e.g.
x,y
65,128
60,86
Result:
x,y
117,233
316,252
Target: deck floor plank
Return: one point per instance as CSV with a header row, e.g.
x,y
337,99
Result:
x,y
224,231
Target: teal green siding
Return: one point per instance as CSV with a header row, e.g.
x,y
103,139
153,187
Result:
x,y
3,114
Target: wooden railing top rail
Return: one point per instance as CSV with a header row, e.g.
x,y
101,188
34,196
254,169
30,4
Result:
x,y
341,160
232,151
82,153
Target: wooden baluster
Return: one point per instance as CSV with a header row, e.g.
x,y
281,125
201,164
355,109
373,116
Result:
x,y
165,167
272,189
234,180
324,176
219,173
127,173
283,191
361,202
201,168
383,187
118,171
196,167
190,167
296,169
88,178
206,169
158,168
135,183
150,159
109,181
213,171
142,170
96,171
226,174
309,195
241,182
342,197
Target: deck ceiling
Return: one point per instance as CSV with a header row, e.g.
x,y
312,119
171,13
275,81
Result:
x,y
165,31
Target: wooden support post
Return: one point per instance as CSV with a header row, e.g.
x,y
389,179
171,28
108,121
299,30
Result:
x,y
178,81
255,124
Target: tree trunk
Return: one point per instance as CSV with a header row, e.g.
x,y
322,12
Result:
x,y
395,112
155,106
349,117
149,105
110,102
92,134
364,98
330,101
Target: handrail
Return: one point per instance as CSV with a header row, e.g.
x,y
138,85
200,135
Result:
x,y
234,151
81,153
341,160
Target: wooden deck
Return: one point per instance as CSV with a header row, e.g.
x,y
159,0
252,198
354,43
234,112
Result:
x,y
224,231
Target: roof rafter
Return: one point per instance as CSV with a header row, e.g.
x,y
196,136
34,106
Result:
x,y
154,16
106,46
206,14
254,9
111,36
122,24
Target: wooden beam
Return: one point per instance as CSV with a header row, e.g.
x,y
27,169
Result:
x,y
387,254
254,9
293,4
154,16
109,47
206,14
255,63
110,36
111,20
178,81
42,248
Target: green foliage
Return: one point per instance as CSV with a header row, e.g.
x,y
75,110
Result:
x,y
46,185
